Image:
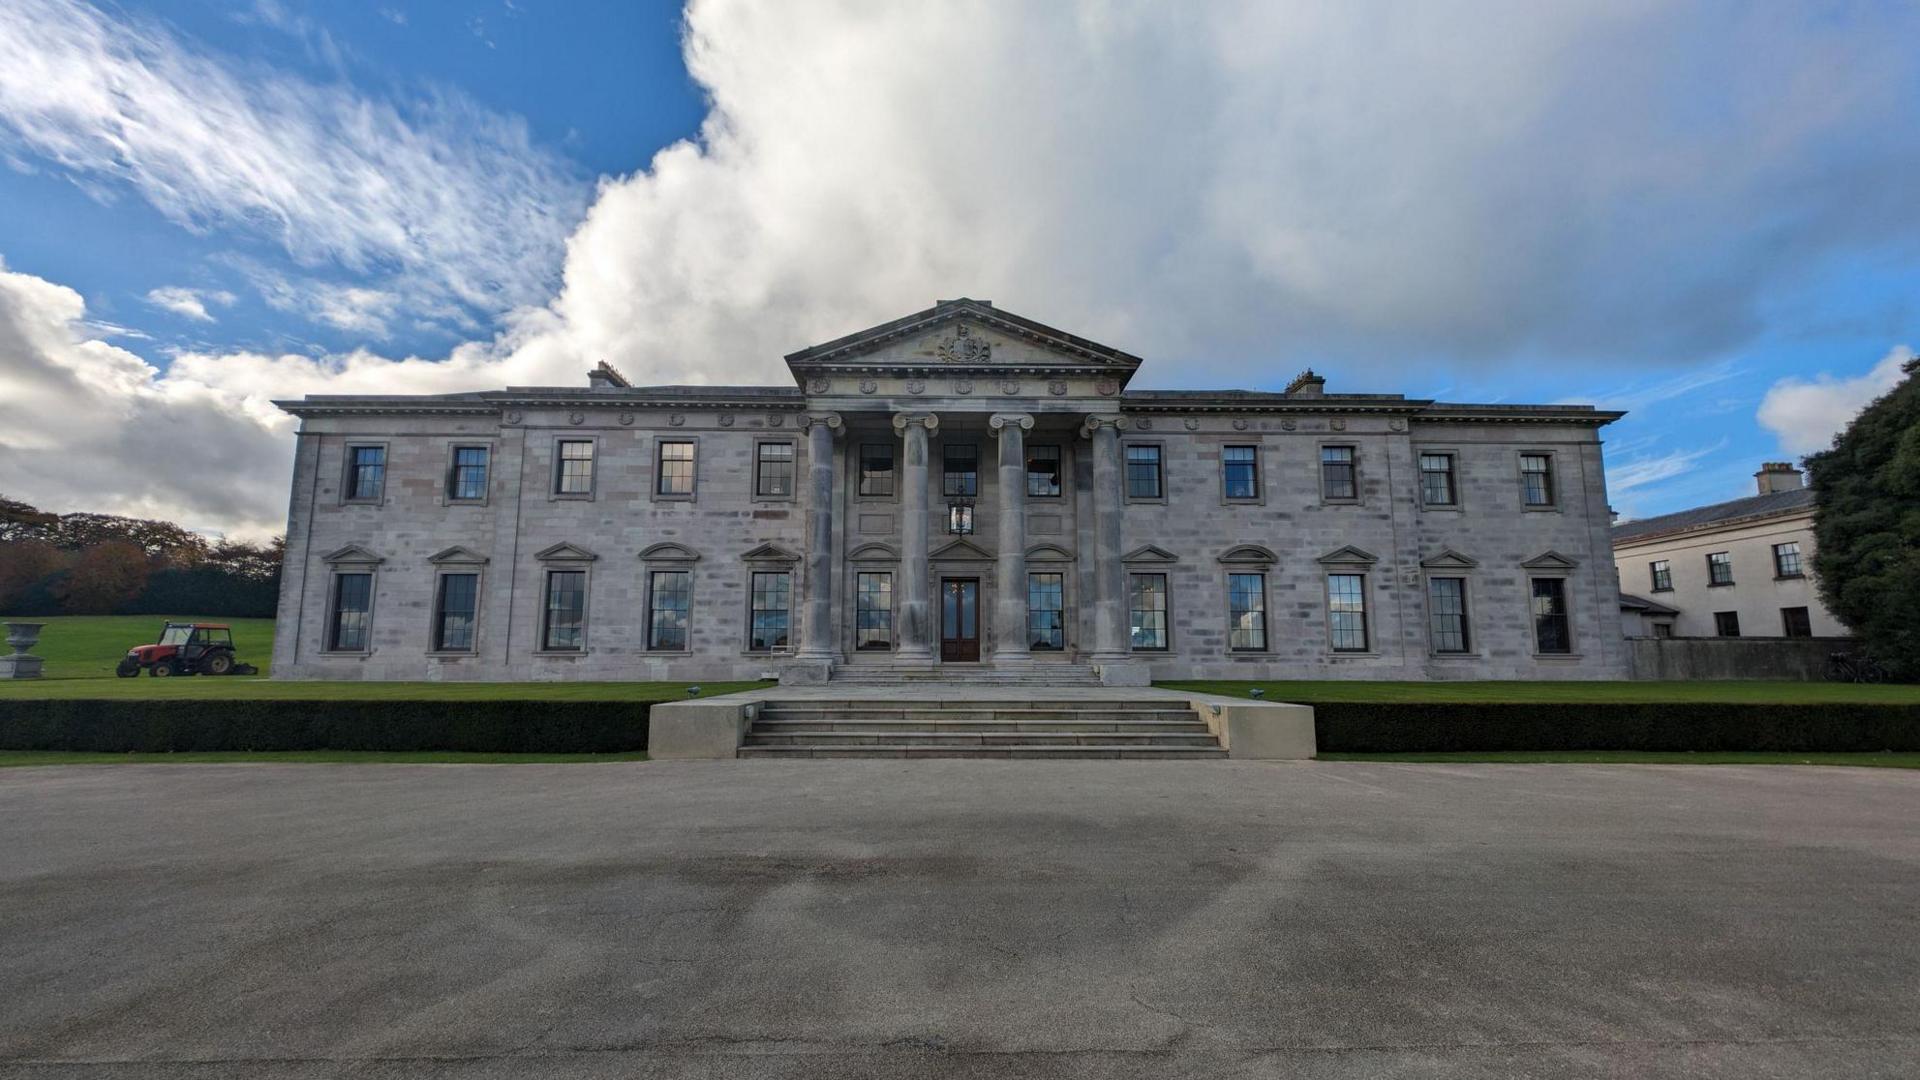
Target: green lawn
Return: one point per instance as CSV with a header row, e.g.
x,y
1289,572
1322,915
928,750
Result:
x,y
1754,691
201,688
89,646
1638,757
12,758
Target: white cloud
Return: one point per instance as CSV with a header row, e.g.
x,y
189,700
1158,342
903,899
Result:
x,y
442,202
189,303
1807,415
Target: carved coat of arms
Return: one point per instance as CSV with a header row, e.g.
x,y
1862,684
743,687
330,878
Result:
x,y
964,348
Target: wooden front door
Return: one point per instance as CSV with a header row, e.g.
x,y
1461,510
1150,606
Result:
x,y
959,619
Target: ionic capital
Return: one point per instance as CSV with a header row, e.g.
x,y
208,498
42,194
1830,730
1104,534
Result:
x,y
903,421
831,420
1000,420
1095,421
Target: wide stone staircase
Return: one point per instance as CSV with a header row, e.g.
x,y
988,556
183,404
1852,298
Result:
x,y
1036,675
1050,728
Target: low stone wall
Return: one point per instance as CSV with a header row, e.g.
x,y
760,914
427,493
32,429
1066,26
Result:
x,y
1800,659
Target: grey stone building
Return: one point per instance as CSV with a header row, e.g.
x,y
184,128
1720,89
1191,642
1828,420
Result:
x,y
962,491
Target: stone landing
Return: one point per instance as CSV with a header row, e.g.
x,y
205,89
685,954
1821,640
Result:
x,y
979,718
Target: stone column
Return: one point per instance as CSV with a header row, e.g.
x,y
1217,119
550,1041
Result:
x,y
1110,635
816,628
916,621
1010,602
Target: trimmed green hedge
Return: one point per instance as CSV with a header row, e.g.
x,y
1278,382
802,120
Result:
x,y
525,727
1357,727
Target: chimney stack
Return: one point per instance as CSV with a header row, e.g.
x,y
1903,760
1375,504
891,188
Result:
x,y
604,377
1307,384
1778,476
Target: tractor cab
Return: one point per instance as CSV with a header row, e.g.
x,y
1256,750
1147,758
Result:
x,y
186,649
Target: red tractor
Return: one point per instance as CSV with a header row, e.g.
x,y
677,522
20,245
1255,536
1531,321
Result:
x,y
186,649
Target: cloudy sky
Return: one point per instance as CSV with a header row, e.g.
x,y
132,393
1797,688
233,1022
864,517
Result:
x,y
1702,212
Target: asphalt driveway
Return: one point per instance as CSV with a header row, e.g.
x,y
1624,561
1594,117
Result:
x,y
959,919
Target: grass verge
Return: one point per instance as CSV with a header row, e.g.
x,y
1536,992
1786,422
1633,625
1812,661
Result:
x,y
1746,691
205,688
1636,757
89,646
14,758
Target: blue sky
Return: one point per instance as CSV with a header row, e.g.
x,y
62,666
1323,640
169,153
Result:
x,y
1693,211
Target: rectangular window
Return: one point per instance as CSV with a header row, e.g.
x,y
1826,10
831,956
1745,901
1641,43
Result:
x,y
1247,612
468,480
1347,610
564,623
1536,479
876,469
1726,623
1046,611
574,474
675,468
1436,480
1551,631
1662,575
960,470
1447,614
1663,629
773,469
771,611
1147,610
453,612
873,611
1336,473
1143,472
1720,568
1043,472
352,604
669,603
1240,468
366,472
1786,560
1796,622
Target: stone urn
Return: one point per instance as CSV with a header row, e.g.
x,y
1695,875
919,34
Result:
x,y
21,636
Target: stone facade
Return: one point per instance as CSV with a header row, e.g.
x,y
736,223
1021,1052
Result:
x,y
961,382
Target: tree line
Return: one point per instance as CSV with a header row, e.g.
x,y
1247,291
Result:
x,y
102,564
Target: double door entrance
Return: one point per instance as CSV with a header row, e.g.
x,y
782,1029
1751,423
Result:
x,y
959,619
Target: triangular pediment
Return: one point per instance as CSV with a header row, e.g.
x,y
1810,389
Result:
x,y
354,554
1448,559
960,549
962,335
670,552
457,556
1149,554
770,553
1348,556
1549,560
565,553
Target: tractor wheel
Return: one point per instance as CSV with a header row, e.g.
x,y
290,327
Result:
x,y
163,668
220,663
127,669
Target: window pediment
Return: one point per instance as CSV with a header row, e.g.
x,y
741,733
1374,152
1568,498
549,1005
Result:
x,y
770,553
1549,560
1348,556
670,552
1049,553
873,552
457,556
564,552
1449,559
1148,553
1248,555
352,555
961,549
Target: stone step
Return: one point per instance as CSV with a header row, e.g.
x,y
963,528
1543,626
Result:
x,y
980,738
782,725
975,715
1049,753
876,706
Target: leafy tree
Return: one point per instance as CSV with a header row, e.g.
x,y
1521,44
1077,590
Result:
x,y
23,565
1867,525
106,577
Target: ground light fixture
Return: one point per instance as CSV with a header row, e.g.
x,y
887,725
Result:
x,y
1256,693
693,691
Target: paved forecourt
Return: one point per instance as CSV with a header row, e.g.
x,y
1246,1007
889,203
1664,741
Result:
x,y
958,919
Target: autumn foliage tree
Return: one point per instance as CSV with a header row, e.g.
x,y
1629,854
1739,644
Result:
x,y
104,578
1867,525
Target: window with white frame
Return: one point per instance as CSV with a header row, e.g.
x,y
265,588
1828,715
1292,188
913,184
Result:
x,y
1447,614
770,614
1147,611
366,473
1552,631
675,468
1347,611
1338,480
1247,612
1046,615
873,611
1436,480
573,469
348,623
773,469
669,606
467,479
563,620
1536,479
454,609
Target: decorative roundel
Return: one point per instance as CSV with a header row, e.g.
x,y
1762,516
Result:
x,y
916,386
677,420
726,419
1058,388
1009,387
775,419
1239,423
1107,387
577,418
818,386
1289,423
1397,424
963,386
868,386
512,417
1337,424
1144,423
1193,423
626,419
